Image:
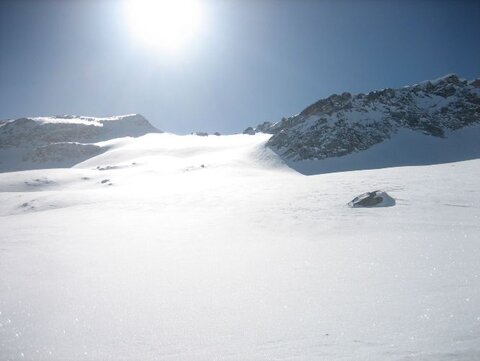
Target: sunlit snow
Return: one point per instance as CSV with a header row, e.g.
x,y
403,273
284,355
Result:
x,y
172,247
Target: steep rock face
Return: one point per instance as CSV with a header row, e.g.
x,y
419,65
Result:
x,y
346,123
61,141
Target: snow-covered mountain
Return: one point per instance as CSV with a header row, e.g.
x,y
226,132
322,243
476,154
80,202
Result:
x,y
345,124
42,142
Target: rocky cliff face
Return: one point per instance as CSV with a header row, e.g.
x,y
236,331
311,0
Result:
x,y
346,123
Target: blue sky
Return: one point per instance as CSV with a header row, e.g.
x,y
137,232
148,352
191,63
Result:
x,y
253,60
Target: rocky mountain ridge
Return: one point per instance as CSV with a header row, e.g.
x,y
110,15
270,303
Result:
x,y
345,123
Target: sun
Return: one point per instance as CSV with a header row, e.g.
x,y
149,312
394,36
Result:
x,y
165,25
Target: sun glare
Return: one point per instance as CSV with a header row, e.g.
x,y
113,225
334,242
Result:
x,y
165,25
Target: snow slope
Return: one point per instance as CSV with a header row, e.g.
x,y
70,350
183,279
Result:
x,y
210,248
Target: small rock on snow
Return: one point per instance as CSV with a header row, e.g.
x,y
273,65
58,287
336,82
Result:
x,y
372,199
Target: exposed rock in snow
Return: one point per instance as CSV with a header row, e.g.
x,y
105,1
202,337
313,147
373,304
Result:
x,y
249,131
404,148
372,199
62,141
344,124
265,127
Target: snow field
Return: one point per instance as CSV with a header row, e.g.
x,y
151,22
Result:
x,y
241,259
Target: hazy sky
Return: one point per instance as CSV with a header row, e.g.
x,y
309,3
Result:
x,y
251,61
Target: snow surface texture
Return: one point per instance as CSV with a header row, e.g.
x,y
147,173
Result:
x,y
62,141
210,248
349,124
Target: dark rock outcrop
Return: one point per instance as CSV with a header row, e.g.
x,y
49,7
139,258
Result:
x,y
372,199
249,131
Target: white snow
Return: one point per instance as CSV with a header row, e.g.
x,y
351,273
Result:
x,y
211,248
74,119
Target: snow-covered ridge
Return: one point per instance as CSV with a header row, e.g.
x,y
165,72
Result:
x,y
74,119
70,128
344,124
65,140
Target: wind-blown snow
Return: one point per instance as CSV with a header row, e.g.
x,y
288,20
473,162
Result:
x,y
211,248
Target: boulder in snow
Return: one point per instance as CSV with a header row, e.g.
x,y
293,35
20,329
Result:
x,y
372,199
